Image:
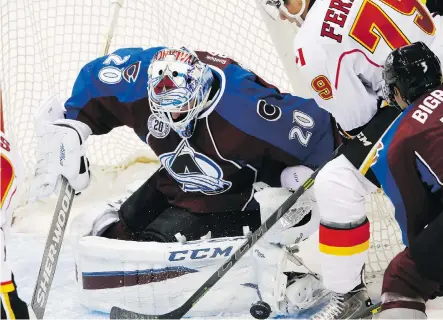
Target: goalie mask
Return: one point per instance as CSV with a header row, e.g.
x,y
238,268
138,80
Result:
x,y
178,88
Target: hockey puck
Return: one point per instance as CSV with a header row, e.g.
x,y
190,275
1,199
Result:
x,y
260,310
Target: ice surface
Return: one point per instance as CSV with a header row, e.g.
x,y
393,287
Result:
x,y
28,236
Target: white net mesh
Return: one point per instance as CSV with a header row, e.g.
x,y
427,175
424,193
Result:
x,y
45,43
385,236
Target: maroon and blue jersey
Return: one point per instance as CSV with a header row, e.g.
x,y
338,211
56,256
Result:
x,y
249,131
409,164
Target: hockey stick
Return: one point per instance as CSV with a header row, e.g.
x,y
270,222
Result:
x,y
125,314
369,312
119,313
115,8
52,249
63,208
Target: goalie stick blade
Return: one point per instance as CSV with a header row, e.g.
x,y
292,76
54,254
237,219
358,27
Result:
x,y
119,313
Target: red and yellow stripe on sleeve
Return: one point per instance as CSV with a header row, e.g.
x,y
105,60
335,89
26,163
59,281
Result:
x,y
344,242
6,288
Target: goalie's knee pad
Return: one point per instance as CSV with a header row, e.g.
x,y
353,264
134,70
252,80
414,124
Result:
x,y
163,229
97,222
301,220
296,225
294,177
171,222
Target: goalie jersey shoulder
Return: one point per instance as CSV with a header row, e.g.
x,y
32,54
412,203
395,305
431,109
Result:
x,y
295,125
121,74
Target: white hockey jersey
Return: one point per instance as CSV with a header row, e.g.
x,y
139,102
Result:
x,y
11,174
342,45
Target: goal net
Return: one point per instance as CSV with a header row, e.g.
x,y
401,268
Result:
x,y
45,43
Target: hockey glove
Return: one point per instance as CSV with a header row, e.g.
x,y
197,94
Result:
x,y
60,152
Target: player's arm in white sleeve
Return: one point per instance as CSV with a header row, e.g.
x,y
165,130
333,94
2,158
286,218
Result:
x,y
337,84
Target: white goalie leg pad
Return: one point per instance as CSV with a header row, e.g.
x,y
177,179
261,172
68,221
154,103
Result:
x,y
155,278
268,269
270,199
271,261
293,178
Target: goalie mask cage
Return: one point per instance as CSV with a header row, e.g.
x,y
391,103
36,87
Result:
x,y
45,43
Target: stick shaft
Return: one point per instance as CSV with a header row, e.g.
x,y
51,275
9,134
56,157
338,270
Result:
x,y
52,249
112,23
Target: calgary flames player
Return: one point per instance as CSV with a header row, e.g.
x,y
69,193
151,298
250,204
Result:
x,y
12,307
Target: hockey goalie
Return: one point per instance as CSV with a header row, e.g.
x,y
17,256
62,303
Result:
x,y
230,146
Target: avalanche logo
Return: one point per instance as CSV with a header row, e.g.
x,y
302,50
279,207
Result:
x,y
194,171
166,84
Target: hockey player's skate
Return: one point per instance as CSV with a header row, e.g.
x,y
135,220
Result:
x,y
350,305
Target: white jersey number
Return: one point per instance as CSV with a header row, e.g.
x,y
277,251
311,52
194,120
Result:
x,y
305,121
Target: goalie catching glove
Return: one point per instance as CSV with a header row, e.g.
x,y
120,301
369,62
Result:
x,y
61,151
